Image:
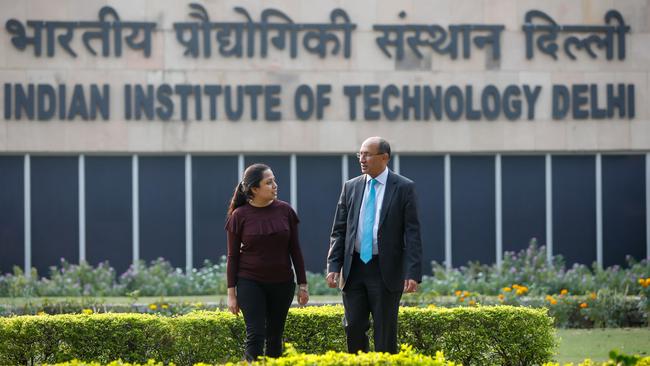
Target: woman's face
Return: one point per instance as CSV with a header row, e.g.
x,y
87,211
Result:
x,y
268,189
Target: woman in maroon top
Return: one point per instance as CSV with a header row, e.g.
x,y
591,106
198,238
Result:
x,y
262,245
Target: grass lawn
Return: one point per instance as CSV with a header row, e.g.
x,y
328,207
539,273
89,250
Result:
x,y
577,344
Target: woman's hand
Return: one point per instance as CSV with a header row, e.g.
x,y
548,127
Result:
x,y
303,295
233,306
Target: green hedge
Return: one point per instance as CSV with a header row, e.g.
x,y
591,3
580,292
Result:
x,y
604,309
502,335
331,358
407,356
200,336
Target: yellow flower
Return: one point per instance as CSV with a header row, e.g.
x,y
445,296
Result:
x,y
501,297
583,305
593,296
465,293
647,282
550,299
472,302
432,306
507,289
87,311
564,291
40,313
164,306
153,306
458,292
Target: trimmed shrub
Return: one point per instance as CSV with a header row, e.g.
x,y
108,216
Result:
x,y
99,337
205,336
602,309
501,335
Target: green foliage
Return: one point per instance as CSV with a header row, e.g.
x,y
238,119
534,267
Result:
x,y
595,297
318,285
36,339
210,336
316,329
615,359
530,267
621,359
159,278
579,297
601,309
113,363
80,280
16,284
501,335
53,306
405,357
605,309
207,336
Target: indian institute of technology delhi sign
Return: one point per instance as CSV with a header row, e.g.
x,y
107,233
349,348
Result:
x,y
203,38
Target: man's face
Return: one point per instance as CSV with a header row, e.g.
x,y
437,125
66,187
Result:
x,y
372,163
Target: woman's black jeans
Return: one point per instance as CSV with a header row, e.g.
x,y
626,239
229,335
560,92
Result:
x,y
265,307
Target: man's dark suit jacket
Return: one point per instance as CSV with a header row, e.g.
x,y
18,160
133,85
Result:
x,y
398,233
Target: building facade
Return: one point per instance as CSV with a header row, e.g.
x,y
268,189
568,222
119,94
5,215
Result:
x,y
126,125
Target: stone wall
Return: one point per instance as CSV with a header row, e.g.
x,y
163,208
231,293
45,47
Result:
x,y
367,65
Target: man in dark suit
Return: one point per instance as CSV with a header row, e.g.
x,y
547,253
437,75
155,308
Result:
x,y
375,248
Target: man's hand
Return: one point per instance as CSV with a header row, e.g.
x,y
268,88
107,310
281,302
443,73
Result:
x,y
332,279
410,286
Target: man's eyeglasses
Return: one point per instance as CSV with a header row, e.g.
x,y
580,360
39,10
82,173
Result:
x,y
367,155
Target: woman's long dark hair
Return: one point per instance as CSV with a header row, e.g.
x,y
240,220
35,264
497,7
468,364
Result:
x,y
243,191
